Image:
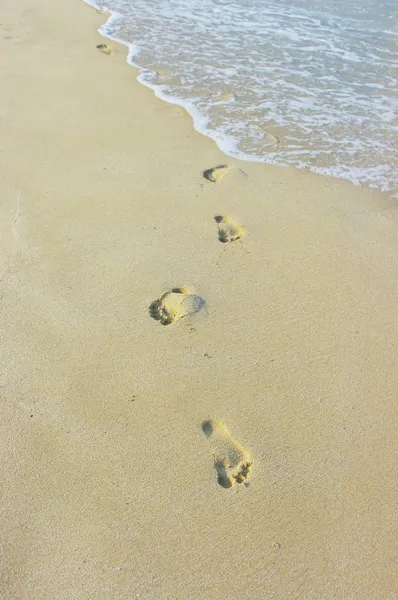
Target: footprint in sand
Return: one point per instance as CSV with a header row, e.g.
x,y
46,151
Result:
x,y
229,230
174,305
105,49
217,174
231,461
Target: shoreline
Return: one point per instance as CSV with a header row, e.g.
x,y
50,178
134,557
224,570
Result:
x,y
114,426
217,137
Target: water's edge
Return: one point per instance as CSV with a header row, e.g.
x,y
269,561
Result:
x,y
199,121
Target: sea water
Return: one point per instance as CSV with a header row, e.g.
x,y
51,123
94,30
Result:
x,y
303,83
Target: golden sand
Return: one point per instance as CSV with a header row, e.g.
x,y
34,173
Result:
x,y
119,437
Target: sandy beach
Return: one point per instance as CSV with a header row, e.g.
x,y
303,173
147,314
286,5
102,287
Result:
x,y
235,438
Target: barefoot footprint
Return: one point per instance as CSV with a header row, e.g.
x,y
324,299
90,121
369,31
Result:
x,y
231,461
174,305
105,49
229,230
217,174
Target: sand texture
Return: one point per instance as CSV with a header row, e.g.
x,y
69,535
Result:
x,y
247,448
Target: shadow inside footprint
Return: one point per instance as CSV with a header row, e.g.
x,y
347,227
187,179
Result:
x,y
217,174
232,462
222,474
174,305
229,230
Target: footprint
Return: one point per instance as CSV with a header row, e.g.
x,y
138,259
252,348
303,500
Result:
x,y
174,305
231,461
217,174
229,230
105,49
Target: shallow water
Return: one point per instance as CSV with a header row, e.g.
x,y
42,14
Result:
x,y
292,82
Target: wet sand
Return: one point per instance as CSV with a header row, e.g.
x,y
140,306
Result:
x,y
198,378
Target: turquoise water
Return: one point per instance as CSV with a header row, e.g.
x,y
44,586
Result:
x,y
304,83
